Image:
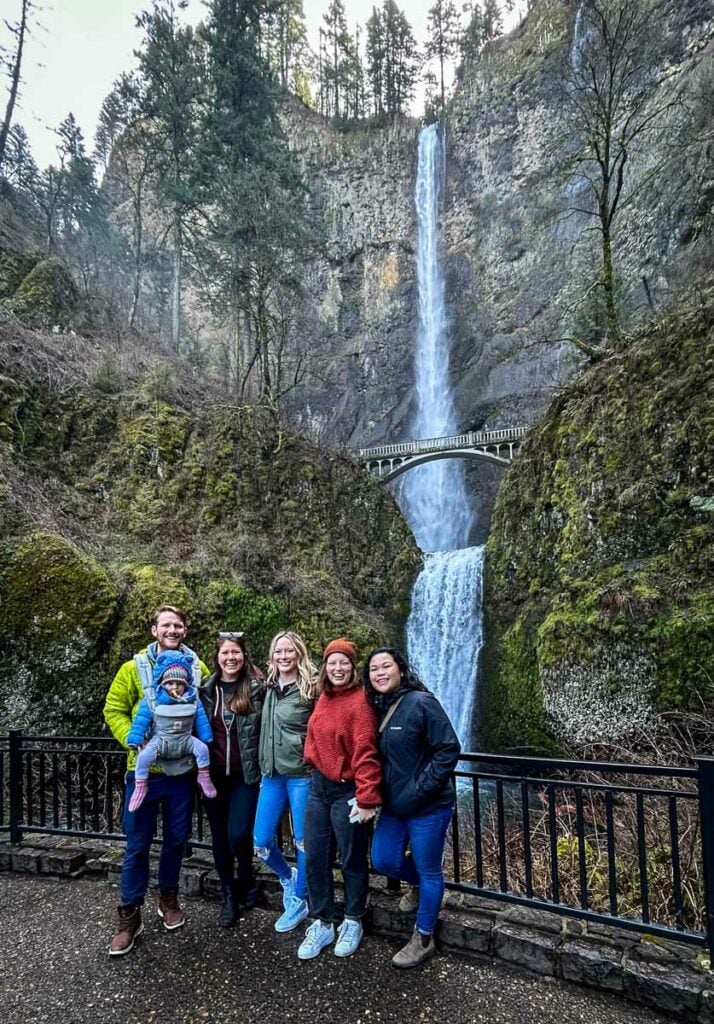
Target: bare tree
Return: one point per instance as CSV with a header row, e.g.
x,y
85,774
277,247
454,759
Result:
x,y
612,104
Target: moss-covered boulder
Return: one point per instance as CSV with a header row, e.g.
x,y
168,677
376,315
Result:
x,y
47,296
600,565
57,608
14,268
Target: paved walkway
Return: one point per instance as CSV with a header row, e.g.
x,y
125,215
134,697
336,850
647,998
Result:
x,y
54,968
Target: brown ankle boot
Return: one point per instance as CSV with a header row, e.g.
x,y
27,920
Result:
x,y
170,911
128,927
417,950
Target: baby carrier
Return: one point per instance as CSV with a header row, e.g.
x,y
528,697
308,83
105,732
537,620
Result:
x,y
172,723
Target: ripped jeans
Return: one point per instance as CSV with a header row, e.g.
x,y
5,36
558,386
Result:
x,y
276,792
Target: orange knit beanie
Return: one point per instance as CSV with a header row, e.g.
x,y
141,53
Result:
x,y
341,646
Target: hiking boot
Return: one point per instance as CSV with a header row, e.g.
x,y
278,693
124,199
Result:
x,y
409,902
316,938
170,911
417,950
129,925
349,936
296,911
228,912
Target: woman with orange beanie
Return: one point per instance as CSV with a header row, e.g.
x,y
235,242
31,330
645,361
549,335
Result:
x,y
345,784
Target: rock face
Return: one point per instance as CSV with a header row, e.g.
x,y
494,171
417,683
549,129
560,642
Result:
x,y
518,262
112,502
600,564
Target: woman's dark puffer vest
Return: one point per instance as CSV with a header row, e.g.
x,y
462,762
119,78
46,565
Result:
x,y
248,726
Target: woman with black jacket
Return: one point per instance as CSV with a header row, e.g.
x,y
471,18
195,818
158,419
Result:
x,y
419,751
233,700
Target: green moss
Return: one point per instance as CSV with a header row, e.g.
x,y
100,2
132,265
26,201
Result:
x,y
597,548
57,607
47,296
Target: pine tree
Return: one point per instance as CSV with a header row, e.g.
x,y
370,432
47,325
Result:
x,y
19,167
254,200
169,70
442,38
19,30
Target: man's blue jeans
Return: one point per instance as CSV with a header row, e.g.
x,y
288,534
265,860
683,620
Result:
x,y
426,836
174,795
276,792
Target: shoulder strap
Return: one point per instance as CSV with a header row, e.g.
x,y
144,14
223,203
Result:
x,y
195,666
393,708
146,678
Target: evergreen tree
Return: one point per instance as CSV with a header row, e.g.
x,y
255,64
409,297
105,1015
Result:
x,y
254,199
442,38
375,53
19,167
19,30
169,70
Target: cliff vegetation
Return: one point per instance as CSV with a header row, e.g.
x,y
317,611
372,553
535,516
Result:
x,y
600,565
123,484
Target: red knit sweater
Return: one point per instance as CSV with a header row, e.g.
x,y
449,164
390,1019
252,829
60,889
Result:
x,y
342,742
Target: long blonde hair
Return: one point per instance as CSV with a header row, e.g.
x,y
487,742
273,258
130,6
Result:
x,y
307,672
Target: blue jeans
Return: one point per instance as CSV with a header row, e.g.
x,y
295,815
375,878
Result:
x,y
174,795
231,815
426,836
327,828
276,792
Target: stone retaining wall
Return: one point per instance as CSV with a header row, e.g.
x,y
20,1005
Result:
x,y
667,976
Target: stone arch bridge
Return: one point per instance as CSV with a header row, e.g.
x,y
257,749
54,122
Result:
x,y
388,461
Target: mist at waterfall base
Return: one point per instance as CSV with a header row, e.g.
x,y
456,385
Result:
x,y
444,630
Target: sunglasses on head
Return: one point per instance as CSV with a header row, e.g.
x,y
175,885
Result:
x,y
230,635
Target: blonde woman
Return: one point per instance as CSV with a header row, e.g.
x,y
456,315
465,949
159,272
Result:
x,y
289,702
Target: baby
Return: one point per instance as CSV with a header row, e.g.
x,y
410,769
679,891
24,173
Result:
x,y
167,715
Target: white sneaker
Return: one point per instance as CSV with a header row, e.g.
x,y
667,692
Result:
x,y
349,936
289,888
316,938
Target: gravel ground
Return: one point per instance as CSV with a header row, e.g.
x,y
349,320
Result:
x,y
54,967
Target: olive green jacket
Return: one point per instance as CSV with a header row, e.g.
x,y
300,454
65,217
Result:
x,y
282,733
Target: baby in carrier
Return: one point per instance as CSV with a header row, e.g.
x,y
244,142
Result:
x,y
167,714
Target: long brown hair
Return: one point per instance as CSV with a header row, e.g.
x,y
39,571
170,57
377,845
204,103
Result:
x,y
239,702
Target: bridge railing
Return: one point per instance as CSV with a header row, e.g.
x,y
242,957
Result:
x,y
626,845
471,439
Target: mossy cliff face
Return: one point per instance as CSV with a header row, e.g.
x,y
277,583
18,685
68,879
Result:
x,y
115,502
600,565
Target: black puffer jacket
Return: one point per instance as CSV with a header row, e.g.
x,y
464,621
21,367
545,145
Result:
x,y
419,751
247,726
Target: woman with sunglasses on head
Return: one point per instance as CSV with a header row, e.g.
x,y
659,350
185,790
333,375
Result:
x,y
285,782
233,700
344,796
419,751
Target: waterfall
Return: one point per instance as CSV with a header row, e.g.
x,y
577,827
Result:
x,y
434,495
444,631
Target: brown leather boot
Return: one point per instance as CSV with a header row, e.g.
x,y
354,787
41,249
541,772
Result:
x,y
170,911
417,950
128,927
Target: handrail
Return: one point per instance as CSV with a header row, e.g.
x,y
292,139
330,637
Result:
x,y
471,439
572,837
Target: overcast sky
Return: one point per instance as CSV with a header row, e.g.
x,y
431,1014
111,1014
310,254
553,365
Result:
x,y
82,46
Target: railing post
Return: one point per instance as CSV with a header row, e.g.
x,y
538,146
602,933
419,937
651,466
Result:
x,y
15,765
705,768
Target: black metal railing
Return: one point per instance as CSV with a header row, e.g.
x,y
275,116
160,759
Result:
x,y
619,844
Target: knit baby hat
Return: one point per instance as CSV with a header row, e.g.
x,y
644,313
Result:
x,y
341,646
175,672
